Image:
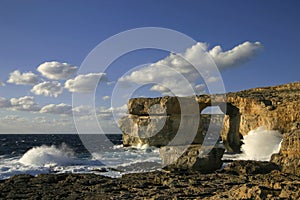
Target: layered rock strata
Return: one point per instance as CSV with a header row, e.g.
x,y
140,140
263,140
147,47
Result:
x,y
289,155
276,108
175,121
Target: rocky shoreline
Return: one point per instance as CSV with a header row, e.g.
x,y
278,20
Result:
x,y
191,177
239,180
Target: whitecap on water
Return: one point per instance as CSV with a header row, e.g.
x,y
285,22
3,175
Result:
x,y
260,144
62,159
48,155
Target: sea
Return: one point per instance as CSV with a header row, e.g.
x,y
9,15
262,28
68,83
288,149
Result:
x,y
72,153
66,153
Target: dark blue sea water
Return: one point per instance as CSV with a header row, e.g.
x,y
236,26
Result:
x,y
70,153
18,144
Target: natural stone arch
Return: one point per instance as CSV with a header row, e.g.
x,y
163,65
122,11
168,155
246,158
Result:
x,y
230,133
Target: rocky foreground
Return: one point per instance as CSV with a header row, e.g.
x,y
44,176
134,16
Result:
x,y
239,180
276,108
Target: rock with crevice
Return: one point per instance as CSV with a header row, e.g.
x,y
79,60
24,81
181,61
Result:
x,y
204,159
289,156
167,130
176,121
275,108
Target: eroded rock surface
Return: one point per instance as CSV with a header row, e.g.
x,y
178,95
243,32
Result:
x,y
242,180
192,157
276,108
175,121
166,130
289,155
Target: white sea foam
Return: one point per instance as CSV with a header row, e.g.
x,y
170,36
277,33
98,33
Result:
x,y
48,156
62,159
260,144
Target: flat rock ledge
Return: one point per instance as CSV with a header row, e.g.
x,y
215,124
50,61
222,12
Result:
x,y
239,180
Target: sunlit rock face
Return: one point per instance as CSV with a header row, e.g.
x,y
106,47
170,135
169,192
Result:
x,y
275,108
289,156
175,121
165,130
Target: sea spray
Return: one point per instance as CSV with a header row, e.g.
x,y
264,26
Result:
x,y
260,144
48,155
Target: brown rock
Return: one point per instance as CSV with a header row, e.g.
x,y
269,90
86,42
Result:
x,y
192,157
276,108
166,130
289,156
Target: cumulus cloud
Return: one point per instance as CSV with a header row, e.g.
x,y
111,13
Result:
x,y
85,83
26,103
38,124
18,78
65,109
47,88
175,75
2,84
4,103
109,112
62,109
236,56
57,71
106,98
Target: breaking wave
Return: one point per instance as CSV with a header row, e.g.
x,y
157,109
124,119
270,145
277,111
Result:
x,y
260,144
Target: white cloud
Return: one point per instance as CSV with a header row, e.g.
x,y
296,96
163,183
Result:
x,y
14,118
62,109
213,79
26,103
18,78
2,84
36,124
82,110
4,103
85,83
106,98
175,75
121,109
57,71
200,89
236,56
116,111
48,88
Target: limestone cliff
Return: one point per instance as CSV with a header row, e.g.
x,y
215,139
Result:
x,y
156,121
289,155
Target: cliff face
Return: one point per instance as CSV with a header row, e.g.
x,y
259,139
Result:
x,y
289,155
156,121
175,121
276,108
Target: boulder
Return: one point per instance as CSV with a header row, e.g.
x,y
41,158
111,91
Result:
x,y
193,157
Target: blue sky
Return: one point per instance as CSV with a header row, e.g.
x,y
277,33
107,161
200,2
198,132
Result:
x,y
35,32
